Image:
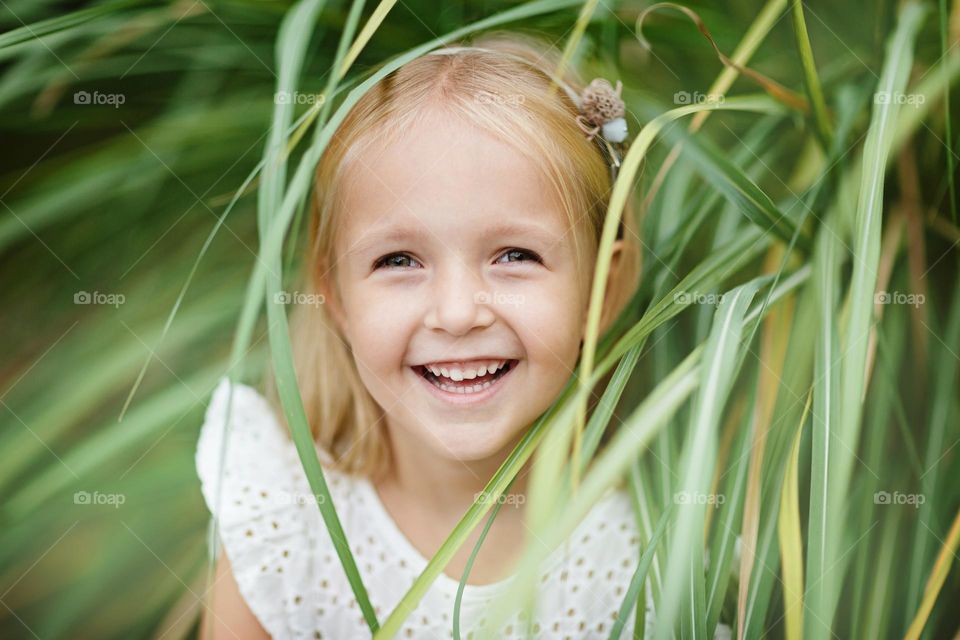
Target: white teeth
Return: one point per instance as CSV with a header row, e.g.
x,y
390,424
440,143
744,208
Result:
x,y
458,375
461,389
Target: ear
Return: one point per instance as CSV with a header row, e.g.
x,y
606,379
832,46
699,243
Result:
x,y
613,277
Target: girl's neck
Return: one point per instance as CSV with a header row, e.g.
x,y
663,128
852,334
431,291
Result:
x,y
446,486
427,495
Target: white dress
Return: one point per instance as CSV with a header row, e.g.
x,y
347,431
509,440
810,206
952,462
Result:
x,y
285,565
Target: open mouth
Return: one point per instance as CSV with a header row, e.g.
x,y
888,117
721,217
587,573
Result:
x,y
465,380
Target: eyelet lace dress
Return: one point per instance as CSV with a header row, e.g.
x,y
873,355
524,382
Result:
x,y
286,568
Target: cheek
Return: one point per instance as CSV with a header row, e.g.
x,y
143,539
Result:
x,y
550,323
377,330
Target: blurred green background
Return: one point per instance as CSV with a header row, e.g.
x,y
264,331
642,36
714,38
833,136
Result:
x,y
127,127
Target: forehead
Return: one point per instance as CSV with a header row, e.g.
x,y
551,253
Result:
x,y
446,174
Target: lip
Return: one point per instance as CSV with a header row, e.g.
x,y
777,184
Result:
x,y
466,399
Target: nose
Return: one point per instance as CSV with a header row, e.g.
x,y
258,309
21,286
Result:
x,y
458,303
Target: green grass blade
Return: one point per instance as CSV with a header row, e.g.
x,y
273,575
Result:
x,y
866,248
291,49
739,189
811,80
51,26
945,50
791,541
948,553
717,375
938,440
467,568
727,524
621,189
631,599
824,438
638,430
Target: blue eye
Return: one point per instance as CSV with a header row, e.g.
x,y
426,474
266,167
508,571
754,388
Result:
x,y
519,255
395,261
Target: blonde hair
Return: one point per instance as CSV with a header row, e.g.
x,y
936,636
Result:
x,y
502,85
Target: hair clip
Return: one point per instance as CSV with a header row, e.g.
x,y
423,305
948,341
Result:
x,y
602,117
602,111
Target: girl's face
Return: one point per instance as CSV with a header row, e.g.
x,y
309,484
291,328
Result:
x,y
457,287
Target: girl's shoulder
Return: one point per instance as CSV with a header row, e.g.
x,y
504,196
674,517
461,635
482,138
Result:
x,y
243,446
252,482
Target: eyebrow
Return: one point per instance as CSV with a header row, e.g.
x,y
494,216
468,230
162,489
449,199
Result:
x,y
510,228
386,234
513,228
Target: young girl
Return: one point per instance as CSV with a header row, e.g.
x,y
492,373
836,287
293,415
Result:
x,y
453,240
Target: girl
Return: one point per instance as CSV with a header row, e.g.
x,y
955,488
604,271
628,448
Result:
x,y
451,255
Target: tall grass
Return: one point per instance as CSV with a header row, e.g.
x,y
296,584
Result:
x,y
782,399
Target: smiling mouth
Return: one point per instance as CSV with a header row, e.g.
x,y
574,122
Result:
x,y
448,382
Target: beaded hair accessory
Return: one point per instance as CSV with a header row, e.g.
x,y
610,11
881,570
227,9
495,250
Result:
x,y
602,112
602,109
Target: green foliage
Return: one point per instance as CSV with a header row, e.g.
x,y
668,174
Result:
x,y
153,196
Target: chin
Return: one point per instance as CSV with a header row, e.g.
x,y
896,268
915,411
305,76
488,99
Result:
x,y
473,443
